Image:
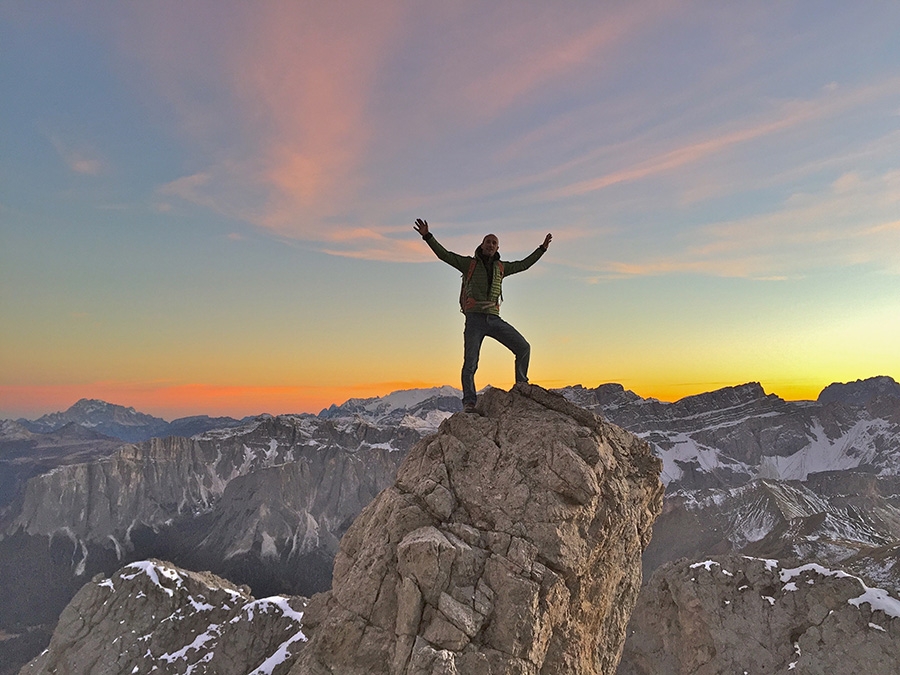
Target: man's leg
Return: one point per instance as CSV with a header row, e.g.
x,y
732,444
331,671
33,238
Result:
x,y
473,336
512,339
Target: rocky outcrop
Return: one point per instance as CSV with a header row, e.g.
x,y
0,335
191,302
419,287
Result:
x,y
735,614
152,616
510,543
860,392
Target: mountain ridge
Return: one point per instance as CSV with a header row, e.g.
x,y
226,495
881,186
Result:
x,y
135,426
272,494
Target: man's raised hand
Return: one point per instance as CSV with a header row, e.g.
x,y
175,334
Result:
x,y
546,243
421,226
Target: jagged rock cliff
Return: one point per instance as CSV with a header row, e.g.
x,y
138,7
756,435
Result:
x,y
510,543
240,499
736,614
151,616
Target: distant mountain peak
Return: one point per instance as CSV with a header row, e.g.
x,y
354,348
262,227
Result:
x,y
121,422
860,392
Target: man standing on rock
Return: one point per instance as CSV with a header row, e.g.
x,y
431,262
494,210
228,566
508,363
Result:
x,y
479,300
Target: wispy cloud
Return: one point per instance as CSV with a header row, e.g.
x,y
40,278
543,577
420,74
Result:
x,y
780,118
316,125
551,49
79,157
849,222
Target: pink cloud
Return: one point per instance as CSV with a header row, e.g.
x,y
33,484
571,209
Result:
x,y
273,95
78,156
528,56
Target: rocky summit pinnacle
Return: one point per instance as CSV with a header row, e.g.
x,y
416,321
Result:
x,y
510,543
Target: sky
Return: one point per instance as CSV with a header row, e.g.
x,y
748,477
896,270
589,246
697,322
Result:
x,y
207,207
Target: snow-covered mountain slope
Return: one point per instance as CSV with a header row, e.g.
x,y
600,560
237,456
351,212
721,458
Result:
x,y
733,435
420,409
153,617
839,519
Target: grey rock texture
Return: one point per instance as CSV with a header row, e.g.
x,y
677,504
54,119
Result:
x,y
736,614
273,489
153,617
860,392
510,543
836,519
25,454
728,437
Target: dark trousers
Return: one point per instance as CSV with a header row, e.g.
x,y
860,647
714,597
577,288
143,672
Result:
x,y
480,326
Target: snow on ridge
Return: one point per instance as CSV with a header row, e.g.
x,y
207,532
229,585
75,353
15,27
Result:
x,y
728,410
229,432
706,564
824,454
686,449
212,633
428,424
850,450
877,598
396,400
406,398
153,572
264,605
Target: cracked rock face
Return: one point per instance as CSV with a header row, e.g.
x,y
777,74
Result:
x,y
735,614
510,543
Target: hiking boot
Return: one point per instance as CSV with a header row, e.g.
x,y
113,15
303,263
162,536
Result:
x,y
469,408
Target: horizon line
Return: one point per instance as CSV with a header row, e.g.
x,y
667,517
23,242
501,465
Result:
x,y
168,398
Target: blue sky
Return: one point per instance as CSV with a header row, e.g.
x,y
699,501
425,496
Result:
x,y
207,207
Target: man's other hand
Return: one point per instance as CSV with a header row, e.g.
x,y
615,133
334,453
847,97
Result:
x,y
421,226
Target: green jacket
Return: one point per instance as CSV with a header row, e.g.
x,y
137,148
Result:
x,y
483,291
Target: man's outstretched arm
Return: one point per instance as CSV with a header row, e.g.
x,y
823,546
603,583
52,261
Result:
x,y
456,260
521,265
